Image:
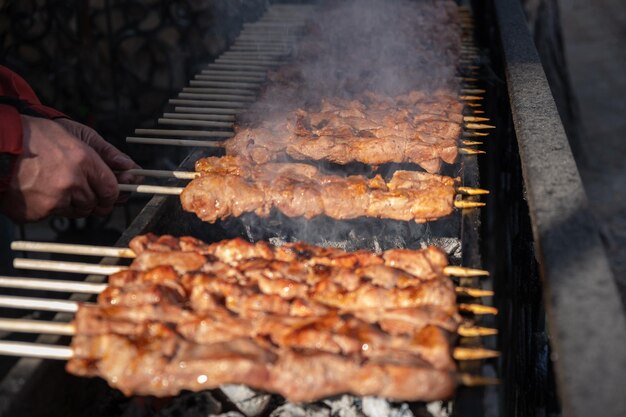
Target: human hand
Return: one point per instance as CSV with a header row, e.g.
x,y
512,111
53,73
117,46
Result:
x,y
65,169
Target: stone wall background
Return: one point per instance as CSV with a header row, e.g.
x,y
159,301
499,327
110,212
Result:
x,y
112,64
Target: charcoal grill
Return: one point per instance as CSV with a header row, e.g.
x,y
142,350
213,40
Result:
x,y
537,212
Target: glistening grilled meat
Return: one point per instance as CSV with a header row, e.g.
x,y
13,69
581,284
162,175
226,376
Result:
x,y
297,320
413,128
230,186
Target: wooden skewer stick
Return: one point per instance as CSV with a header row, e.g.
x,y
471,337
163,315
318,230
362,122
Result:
x,y
192,133
37,326
461,271
52,284
473,91
61,266
473,104
478,309
68,329
243,47
251,62
473,292
224,91
475,134
208,110
250,86
213,97
240,76
209,103
478,126
253,56
150,189
175,142
472,190
470,151
475,331
73,249
206,75
71,267
464,204
35,350
473,354
245,69
192,116
30,303
190,122
471,142
478,111
55,352
474,119
470,380
470,79
156,173
471,98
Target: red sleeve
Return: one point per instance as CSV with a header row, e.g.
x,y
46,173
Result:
x,y
16,97
10,142
14,88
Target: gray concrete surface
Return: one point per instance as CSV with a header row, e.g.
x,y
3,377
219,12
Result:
x,y
595,46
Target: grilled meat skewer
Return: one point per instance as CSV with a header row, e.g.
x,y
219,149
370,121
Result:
x,y
230,186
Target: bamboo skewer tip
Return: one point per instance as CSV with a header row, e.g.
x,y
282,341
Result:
x,y
470,380
478,309
473,354
466,204
470,151
461,271
472,190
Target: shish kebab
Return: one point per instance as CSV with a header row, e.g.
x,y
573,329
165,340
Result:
x,y
414,128
187,315
230,186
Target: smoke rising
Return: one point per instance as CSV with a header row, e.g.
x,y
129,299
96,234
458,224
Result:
x,y
360,50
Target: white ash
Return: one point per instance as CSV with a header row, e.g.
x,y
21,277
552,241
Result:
x,y
250,402
301,410
229,414
345,406
439,408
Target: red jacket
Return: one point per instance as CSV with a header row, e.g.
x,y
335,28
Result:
x,y
16,97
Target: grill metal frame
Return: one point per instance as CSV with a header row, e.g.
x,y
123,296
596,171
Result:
x,y
585,314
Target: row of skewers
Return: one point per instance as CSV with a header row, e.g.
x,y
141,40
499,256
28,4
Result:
x,y
190,315
259,315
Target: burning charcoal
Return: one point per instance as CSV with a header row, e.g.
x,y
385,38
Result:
x,y
294,410
345,406
250,402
